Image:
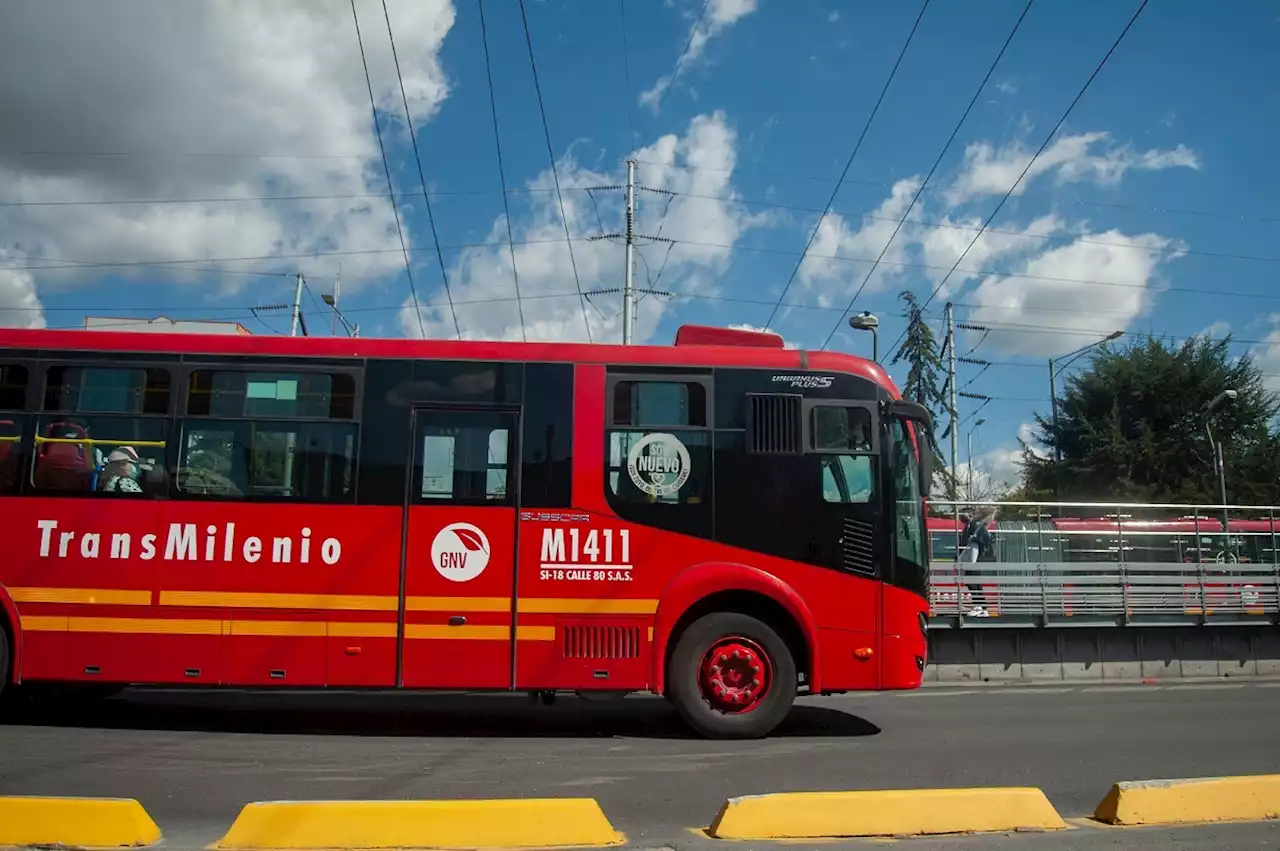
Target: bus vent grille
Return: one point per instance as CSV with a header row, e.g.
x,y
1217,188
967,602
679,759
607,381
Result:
x,y
774,423
583,641
857,543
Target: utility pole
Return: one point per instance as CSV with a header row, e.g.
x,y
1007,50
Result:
x,y
628,286
297,306
951,383
337,291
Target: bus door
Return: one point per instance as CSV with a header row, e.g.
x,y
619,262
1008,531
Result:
x,y
458,555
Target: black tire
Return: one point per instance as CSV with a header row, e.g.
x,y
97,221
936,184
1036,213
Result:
x,y
683,678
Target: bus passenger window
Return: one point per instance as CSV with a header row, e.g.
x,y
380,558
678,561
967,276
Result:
x,y
841,429
303,461
13,398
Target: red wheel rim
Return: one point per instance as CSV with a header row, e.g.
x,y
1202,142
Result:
x,y
735,675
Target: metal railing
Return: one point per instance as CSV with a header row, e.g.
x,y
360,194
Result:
x,y
1106,564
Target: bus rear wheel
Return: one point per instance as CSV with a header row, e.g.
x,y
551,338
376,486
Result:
x,y
731,676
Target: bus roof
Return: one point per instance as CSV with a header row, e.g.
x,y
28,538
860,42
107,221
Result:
x,y
692,351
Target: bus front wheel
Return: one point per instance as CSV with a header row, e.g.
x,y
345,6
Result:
x,y
731,676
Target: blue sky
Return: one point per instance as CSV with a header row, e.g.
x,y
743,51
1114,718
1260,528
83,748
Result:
x,y
1163,168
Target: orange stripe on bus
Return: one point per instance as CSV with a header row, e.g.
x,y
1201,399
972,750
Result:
x,y
312,629
253,600
583,606
457,604
94,596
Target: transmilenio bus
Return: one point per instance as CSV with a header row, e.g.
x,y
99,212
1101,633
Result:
x,y
725,521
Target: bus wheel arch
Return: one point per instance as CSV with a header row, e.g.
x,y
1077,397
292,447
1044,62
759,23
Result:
x,y
758,605
8,641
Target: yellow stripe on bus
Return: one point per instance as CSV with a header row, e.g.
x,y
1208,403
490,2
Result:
x,y
93,596
308,629
338,602
584,606
159,444
253,600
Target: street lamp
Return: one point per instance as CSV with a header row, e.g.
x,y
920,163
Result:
x,y
1055,366
969,443
867,321
1215,447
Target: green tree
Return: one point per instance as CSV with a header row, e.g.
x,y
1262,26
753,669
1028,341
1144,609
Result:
x,y
1131,427
925,383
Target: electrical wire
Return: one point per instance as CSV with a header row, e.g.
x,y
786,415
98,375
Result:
x,y
849,162
422,178
937,162
1036,156
555,176
675,74
386,166
502,176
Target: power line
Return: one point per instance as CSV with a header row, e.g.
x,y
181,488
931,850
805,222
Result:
x,y
81,265
1212,214
502,177
849,162
1035,157
937,162
724,199
675,74
395,210
546,132
422,178
626,74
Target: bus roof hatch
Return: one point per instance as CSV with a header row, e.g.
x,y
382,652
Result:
x,y
709,335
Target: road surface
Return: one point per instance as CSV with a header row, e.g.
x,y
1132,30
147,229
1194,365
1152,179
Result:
x,y
194,759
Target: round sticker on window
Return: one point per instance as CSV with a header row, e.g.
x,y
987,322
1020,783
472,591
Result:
x,y
658,464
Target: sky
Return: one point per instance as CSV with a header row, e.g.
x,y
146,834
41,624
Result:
x,y
242,135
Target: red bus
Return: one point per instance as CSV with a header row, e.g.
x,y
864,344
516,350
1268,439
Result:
x,y
725,521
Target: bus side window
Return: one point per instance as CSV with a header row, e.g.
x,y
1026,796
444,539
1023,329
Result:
x,y
100,426
13,394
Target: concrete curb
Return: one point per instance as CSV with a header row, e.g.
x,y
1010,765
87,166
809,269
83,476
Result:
x,y
532,823
1249,798
76,822
915,812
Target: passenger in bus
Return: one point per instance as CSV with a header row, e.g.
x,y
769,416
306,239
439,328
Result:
x,y
122,471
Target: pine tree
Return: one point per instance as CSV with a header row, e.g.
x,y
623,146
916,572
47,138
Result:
x,y
924,383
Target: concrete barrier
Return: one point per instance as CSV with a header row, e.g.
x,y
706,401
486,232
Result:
x,y
1192,800
76,822
532,823
910,812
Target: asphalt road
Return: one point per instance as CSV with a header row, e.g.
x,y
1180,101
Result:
x,y
194,759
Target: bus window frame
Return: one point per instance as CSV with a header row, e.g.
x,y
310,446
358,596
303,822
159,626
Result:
x,y
677,375
807,408
354,368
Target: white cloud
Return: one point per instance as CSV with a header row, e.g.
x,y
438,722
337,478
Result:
x,y
719,16
834,16
1081,311
837,279
1215,330
152,84
483,275
1007,87
943,245
1071,159
20,307
1267,355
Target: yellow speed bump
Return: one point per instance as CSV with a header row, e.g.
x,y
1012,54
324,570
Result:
x,y
533,823
820,815
1193,800
76,822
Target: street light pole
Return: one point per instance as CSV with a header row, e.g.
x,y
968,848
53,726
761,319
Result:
x,y
969,447
1055,369
867,321
1220,467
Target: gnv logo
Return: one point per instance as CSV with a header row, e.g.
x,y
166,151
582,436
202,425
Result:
x,y
460,552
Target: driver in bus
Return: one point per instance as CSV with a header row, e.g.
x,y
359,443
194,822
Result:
x,y
121,472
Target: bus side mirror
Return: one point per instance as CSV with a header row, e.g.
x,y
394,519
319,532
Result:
x,y
918,414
